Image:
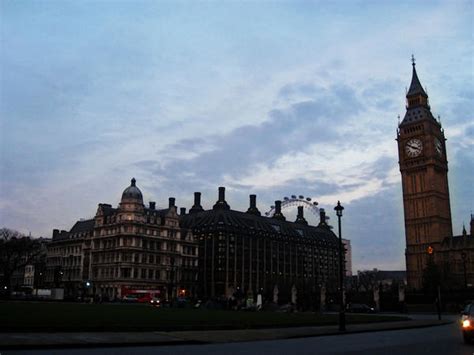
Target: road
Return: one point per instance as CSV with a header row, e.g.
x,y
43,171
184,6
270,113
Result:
x,y
440,340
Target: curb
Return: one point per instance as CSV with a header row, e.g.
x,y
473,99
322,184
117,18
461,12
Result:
x,y
226,336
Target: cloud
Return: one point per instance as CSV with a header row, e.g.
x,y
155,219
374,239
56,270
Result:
x,y
280,100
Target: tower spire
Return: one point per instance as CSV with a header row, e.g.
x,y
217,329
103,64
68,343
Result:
x,y
415,87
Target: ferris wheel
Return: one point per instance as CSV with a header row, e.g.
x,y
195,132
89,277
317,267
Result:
x,y
296,201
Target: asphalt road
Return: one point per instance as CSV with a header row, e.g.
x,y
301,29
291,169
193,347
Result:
x,y
440,340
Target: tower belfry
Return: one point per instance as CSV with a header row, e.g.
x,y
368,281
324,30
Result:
x,y
424,169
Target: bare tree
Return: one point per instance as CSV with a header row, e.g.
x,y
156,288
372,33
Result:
x,y
16,251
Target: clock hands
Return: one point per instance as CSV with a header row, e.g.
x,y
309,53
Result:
x,y
413,147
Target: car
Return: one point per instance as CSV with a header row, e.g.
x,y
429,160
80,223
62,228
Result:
x,y
359,308
467,323
155,301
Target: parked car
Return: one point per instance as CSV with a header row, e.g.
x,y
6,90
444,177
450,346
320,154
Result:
x,y
467,323
359,308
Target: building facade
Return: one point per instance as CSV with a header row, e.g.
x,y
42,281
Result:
x,y
424,171
244,253
126,248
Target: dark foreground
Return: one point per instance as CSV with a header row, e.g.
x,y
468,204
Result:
x,y
79,317
443,339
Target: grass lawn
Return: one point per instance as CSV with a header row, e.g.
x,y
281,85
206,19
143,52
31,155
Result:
x,y
50,317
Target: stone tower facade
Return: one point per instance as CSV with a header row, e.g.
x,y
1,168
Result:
x,y
424,170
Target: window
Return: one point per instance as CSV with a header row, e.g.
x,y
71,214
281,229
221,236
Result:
x,y
126,272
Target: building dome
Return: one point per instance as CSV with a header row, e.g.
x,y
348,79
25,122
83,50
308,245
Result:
x,y
132,192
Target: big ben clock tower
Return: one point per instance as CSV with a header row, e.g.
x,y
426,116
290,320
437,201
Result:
x,y
424,170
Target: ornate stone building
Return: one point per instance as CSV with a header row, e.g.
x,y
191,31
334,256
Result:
x,y
245,253
124,248
424,170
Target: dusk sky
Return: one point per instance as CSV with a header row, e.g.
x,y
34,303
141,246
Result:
x,y
272,98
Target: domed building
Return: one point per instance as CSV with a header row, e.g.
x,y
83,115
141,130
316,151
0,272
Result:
x,y
133,250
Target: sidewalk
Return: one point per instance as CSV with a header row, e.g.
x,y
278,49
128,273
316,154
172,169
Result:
x,y
60,340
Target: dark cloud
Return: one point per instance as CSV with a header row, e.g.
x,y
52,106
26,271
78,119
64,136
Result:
x,y
287,130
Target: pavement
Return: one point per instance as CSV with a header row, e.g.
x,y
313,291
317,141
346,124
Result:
x,y
100,339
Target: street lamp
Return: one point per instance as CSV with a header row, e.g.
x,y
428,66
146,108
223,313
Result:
x,y
342,314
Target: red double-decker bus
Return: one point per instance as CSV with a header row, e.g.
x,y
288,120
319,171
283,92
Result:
x,y
140,296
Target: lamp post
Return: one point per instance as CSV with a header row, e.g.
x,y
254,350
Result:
x,y
342,314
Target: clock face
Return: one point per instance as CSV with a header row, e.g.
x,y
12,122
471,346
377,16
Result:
x,y
414,147
438,146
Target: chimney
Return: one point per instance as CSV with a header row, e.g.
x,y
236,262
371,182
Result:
x,y
278,214
300,218
171,202
197,203
152,205
322,217
253,206
221,202
182,211
55,233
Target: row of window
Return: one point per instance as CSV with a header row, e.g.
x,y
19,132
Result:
x,y
65,250
134,273
171,233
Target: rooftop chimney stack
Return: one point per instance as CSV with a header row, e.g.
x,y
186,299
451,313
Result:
x,y
171,202
221,202
182,211
253,205
278,214
197,203
300,218
152,205
322,217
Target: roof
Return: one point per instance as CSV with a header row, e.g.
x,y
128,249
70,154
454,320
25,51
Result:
x,y
415,86
108,210
458,242
417,114
83,226
420,111
132,192
231,219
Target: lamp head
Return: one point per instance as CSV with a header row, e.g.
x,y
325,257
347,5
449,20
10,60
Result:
x,y
339,209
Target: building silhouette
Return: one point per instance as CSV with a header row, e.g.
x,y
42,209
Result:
x,y
246,254
216,253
